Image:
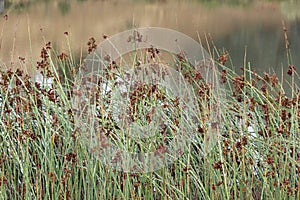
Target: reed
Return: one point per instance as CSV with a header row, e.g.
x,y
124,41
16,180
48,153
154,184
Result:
x,y
256,156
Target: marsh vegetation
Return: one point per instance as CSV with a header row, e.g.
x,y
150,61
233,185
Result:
x,y
43,154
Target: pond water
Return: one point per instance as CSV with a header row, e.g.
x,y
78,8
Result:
x,y
234,25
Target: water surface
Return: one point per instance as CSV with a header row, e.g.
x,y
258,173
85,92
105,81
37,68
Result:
x,y
254,26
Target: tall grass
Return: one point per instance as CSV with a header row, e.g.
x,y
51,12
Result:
x,y
256,156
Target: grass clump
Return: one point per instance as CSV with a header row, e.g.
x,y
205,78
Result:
x,y
256,155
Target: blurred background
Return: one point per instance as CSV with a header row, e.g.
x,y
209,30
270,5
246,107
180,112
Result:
x,y
234,25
